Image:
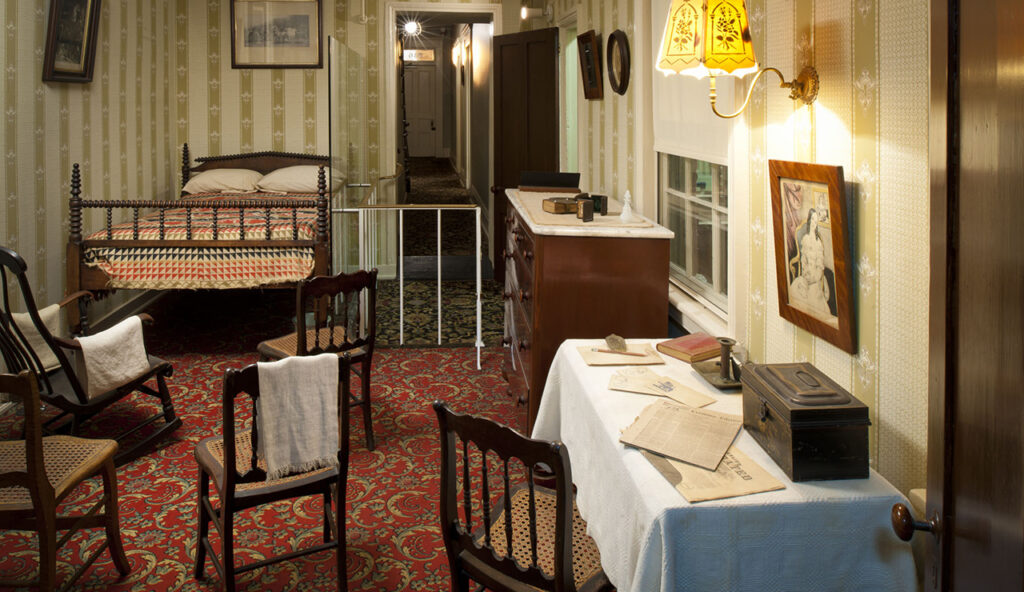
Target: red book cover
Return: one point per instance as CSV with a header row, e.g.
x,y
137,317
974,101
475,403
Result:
x,y
694,347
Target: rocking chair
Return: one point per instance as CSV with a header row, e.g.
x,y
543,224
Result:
x,y
63,387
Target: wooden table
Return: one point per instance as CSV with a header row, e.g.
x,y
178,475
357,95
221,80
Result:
x,y
819,535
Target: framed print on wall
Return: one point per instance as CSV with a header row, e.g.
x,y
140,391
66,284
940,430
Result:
x,y
812,250
590,65
275,34
71,40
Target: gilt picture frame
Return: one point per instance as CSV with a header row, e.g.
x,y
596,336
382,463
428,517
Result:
x,y
70,52
590,65
276,34
812,250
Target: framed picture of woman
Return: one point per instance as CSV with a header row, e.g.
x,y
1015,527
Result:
x,y
812,250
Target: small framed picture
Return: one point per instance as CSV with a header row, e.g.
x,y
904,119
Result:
x,y
275,34
812,250
590,65
71,40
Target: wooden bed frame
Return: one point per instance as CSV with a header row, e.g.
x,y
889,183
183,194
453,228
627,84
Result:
x,y
82,277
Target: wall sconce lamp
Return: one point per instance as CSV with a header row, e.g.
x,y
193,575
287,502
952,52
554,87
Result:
x,y
525,12
712,38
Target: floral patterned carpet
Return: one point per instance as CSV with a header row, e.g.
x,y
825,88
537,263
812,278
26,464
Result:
x,y
393,542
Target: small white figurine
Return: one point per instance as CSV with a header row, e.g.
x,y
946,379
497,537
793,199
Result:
x,y
627,208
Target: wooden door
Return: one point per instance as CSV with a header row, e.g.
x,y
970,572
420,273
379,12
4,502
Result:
x,y
975,447
525,117
423,110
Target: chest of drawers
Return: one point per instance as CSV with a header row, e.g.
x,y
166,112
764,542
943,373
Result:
x,y
574,281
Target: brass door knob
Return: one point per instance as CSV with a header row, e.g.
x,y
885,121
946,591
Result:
x,y
904,525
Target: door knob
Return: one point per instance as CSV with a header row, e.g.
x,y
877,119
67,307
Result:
x,y
904,525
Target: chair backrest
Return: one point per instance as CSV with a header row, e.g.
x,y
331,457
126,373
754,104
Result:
x,y
498,456
246,382
342,310
14,349
24,389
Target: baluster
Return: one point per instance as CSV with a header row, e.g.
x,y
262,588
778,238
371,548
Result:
x,y
76,204
508,510
533,519
295,223
135,223
162,211
321,206
241,223
188,222
466,502
268,224
214,212
184,165
485,502
110,223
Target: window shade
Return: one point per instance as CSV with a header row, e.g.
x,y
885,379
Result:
x,y
684,124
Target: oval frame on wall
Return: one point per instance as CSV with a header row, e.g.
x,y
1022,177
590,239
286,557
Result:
x,y
617,54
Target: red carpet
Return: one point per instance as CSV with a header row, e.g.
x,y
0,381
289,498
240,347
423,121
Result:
x,y
394,541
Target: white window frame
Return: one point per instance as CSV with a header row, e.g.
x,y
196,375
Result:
x,y
710,298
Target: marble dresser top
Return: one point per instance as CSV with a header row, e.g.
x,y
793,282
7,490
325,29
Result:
x,y
529,205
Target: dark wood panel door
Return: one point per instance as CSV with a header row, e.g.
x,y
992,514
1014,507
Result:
x,y
525,117
975,445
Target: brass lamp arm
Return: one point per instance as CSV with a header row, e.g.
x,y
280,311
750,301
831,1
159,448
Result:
x,y
804,87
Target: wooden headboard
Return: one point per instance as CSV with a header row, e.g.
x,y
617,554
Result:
x,y
262,162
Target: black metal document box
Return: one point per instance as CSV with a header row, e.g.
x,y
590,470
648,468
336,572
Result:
x,y
812,427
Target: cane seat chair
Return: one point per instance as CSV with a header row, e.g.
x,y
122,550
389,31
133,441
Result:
x,y
550,548
37,474
335,314
240,481
62,387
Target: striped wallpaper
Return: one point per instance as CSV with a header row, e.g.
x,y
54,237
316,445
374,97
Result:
x,y
871,118
118,127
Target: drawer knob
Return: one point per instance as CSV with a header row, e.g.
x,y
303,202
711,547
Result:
x,y
521,400
528,255
506,341
762,413
524,295
524,344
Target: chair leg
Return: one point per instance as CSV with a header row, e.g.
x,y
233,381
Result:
x,y
367,420
46,519
228,546
112,526
340,551
203,526
327,514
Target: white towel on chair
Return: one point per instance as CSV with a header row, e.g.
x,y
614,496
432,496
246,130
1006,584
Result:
x,y
297,414
113,357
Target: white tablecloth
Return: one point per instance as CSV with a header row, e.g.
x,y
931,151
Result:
x,y
814,536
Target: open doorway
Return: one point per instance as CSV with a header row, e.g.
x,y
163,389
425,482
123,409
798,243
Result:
x,y
444,107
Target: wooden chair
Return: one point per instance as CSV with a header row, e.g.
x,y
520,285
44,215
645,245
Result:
x,y
343,312
37,473
550,546
62,387
240,480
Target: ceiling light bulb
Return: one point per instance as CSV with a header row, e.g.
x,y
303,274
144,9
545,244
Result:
x,y
412,28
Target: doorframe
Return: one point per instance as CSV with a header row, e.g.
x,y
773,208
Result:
x,y
566,22
389,61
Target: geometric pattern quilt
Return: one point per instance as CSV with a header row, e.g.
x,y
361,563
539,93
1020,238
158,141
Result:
x,y
218,268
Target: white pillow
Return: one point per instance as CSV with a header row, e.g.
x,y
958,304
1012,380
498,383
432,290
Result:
x,y
51,319
296,179
223,181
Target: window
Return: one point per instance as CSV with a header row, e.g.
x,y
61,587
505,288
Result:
x,y
418,55
694,203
